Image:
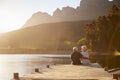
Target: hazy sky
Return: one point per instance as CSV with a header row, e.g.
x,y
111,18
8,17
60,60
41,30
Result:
x,y
14,13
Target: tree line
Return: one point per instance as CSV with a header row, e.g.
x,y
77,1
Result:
x,y
103,34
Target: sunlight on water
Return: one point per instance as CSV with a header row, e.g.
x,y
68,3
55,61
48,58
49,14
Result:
x,y
13,58
27,57
110,0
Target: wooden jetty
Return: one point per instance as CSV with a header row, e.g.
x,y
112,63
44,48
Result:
x,y
68,72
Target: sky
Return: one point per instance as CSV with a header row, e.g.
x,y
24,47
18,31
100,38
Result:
x,y
14,13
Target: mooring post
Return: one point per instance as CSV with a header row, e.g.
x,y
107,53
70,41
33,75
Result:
x,y
118,78
48,66
36,70
16,76
106,69
115,76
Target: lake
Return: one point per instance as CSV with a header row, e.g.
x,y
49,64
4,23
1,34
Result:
x,y
26,63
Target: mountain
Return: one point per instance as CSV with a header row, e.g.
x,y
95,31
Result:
x,y
50,36
88,10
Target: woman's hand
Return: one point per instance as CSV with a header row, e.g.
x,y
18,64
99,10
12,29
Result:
x,y
86,58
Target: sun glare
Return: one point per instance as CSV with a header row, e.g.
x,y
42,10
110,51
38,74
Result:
x,y
10,20
9,23
7,27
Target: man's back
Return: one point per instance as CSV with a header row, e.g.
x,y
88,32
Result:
x,y
75,57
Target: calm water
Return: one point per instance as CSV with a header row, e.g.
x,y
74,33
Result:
x,y
24,64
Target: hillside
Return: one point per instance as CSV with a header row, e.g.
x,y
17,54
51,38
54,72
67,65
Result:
x,y
51,36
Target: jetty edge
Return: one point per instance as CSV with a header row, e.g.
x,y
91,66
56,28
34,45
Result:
x,y
68,72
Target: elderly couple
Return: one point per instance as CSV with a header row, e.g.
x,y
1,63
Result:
x,y
81,57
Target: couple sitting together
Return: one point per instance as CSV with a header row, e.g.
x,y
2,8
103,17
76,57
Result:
x,y
81,57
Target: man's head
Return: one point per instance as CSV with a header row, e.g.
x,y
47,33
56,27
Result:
x,y
75,48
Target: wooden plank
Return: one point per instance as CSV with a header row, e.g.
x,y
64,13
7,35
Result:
x,y
114,71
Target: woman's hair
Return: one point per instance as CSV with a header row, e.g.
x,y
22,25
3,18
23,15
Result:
x,y
84,46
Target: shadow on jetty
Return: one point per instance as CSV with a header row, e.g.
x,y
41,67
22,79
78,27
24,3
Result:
x,y
109,61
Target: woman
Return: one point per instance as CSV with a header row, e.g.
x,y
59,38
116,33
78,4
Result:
x,y
85,60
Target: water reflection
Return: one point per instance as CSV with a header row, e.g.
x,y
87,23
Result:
x,y
27,63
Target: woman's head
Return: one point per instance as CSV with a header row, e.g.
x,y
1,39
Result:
x,y
83,48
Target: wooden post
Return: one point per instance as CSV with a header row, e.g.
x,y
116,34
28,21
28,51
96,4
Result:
x,y
118,76
36,70
48,66
105,69
115,76
16,76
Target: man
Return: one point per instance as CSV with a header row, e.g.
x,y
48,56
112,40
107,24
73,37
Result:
x,y
76,56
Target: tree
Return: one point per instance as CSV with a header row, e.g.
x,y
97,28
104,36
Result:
x,y
114,10
103,33
82,41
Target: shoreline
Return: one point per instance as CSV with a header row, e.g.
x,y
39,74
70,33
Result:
x,y
33,51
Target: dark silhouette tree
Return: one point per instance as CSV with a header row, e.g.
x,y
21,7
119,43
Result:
x,y
103,33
